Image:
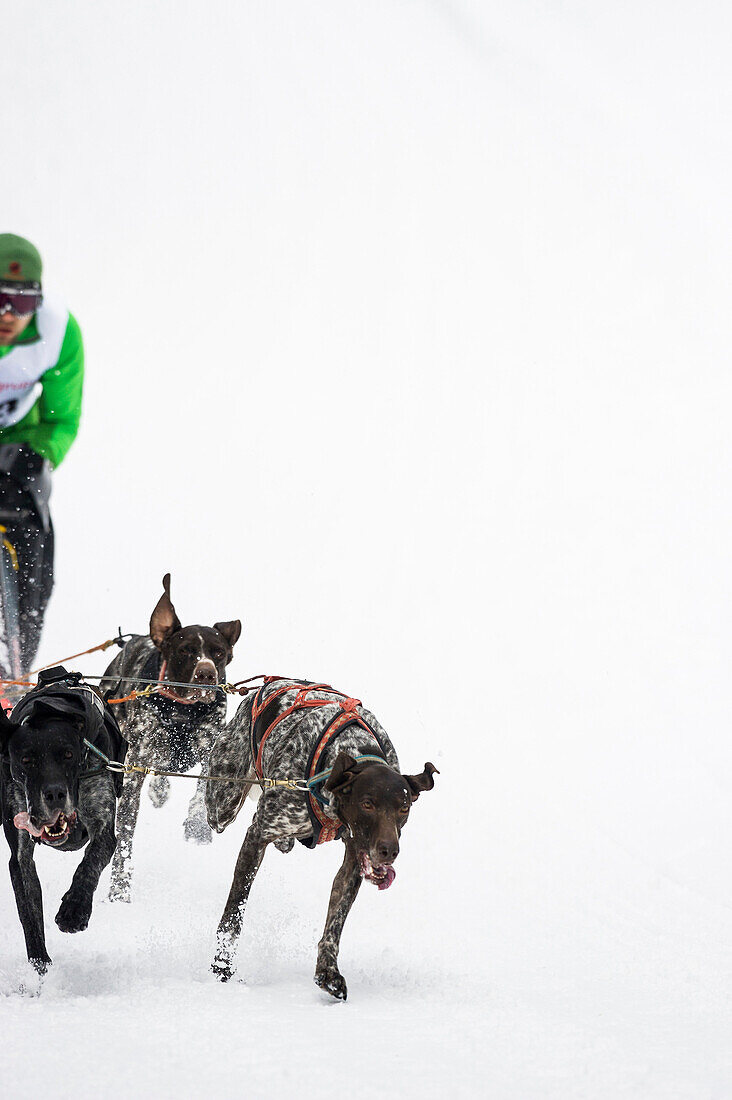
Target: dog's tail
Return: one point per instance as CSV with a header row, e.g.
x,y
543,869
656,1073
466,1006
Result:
x,y
231,756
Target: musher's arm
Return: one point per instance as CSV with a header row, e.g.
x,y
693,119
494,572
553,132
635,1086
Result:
x,y
51,426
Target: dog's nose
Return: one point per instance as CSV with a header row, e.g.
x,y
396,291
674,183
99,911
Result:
x,y
204,674
54,796
387,852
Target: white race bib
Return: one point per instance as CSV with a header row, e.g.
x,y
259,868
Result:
x,y
21,369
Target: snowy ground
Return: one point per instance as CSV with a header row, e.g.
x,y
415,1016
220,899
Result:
x,y
407,328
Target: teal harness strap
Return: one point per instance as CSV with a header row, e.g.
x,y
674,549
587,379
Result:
x,y
99,753
101,767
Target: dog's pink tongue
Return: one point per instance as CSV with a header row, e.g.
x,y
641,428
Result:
x,y
390,876
23,821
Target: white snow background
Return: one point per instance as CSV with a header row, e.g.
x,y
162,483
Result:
x,y
407,330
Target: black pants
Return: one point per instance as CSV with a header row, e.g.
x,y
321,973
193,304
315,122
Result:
x,y
34,547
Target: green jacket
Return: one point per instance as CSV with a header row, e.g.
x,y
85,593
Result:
x,y
51,425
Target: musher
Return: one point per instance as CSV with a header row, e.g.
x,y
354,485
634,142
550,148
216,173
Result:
x,y
41,376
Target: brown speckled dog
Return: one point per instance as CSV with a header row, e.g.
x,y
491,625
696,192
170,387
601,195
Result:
x,y
173,730
361,797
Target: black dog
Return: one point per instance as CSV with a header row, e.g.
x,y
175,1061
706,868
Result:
x,y
173,729
55,791
292,729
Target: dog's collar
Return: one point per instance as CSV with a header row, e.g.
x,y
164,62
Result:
x,y
62,693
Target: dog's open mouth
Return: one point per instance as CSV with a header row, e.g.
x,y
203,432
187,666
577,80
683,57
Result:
x,y
203,695
53,832
192,694
382,874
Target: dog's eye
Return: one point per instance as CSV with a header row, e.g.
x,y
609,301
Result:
x,y
68,754
367,804
26,759
404,809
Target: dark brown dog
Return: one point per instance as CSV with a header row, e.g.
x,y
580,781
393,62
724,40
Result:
x,y
364,799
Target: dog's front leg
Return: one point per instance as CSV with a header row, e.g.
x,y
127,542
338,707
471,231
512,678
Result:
x,y
76,904
345,887
129,806
247,865
28,898
158,790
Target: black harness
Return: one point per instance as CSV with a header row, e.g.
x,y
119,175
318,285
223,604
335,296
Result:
x,y
63,694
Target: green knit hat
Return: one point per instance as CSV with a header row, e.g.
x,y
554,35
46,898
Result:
x,y
19,259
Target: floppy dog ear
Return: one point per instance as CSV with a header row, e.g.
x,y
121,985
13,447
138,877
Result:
x,y
423,782
7,729
230,631
164,621
341,776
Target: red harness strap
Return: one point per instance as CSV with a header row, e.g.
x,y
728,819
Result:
x,y
300,703
329,827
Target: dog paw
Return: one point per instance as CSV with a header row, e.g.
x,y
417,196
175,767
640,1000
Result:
x,y
284,845
73,914
158,790
197,831
40,965
120,891
332,981
222,969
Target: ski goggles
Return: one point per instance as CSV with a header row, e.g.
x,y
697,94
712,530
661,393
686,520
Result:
x,y
19,300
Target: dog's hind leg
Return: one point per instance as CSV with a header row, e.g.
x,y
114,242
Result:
x,y
158,790
129,806
28,898
231,755
196,827
247,865
345,887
